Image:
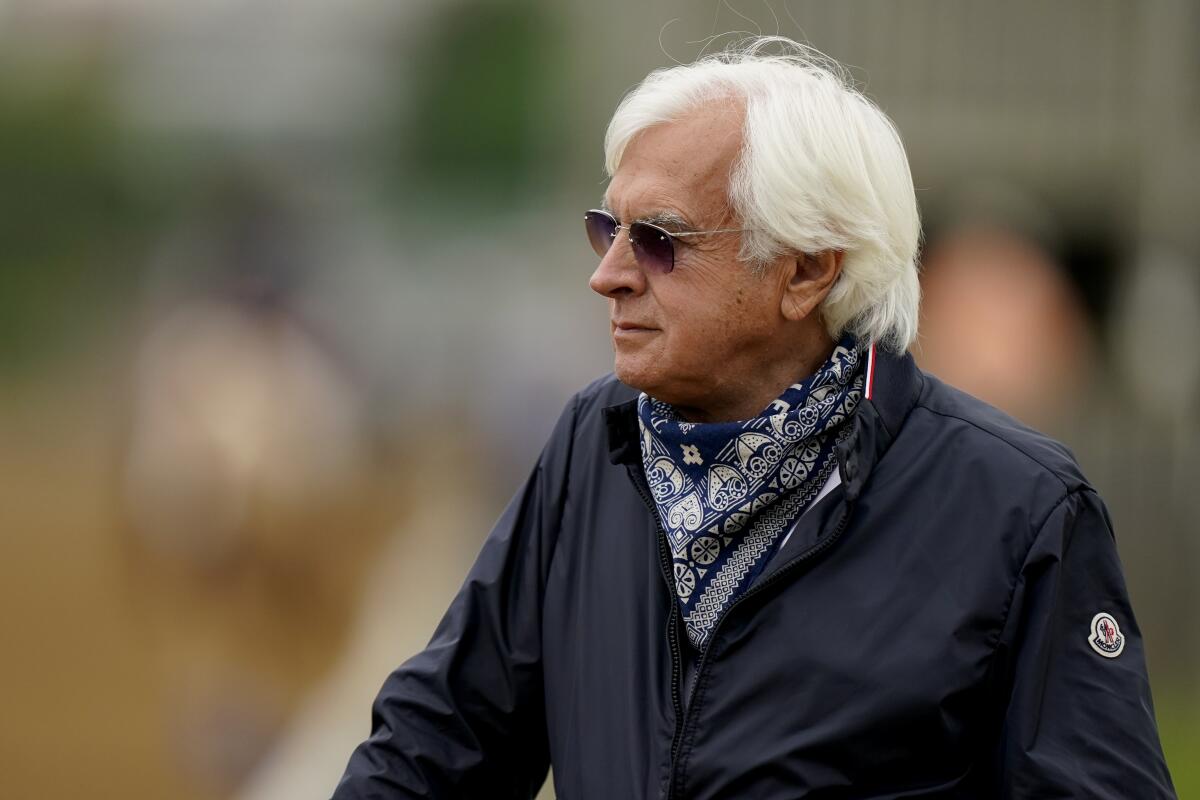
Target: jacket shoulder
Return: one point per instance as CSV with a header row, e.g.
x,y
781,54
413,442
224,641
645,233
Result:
x,y
1011,446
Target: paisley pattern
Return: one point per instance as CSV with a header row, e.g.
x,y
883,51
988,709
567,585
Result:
x,y
726,491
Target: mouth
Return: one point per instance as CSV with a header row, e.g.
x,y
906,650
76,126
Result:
x,y
631,327
630,334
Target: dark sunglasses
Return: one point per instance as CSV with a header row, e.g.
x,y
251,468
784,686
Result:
x,y
653,247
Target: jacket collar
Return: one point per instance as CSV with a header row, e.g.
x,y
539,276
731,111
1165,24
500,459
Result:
x,y
893,386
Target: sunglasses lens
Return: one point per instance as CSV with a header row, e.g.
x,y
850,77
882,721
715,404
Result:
x,y
601,229
652,247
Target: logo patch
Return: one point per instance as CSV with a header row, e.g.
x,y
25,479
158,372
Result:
x,y
1106,638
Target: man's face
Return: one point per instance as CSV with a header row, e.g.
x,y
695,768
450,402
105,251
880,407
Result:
x,y
696,335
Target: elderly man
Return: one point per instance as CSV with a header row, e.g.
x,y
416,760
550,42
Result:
x,y
770,558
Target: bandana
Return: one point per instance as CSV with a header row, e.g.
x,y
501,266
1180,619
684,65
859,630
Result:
x,y
726,491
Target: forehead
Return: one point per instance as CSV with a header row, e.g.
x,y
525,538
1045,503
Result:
x,y
681,166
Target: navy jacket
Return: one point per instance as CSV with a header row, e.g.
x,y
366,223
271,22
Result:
x,y
930,630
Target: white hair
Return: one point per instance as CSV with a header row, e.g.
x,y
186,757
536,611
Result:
x,y
820,168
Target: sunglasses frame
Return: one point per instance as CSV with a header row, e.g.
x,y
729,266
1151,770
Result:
x,y
640,253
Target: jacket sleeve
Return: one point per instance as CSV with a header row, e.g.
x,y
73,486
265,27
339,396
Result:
x,y
464,718
1079,721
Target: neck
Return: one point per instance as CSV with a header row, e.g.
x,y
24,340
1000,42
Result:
x,y
746,397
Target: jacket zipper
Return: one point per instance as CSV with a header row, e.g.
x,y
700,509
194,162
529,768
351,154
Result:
x,y
673,628
664,563
791,566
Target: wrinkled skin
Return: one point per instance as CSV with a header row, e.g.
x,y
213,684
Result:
x,y
714,338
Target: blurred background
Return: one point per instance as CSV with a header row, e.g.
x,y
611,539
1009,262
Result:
x,y
292,291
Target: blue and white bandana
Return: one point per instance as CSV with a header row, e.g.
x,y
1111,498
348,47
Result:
x,y
726,491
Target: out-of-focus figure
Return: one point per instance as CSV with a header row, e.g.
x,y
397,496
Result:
x,y
1001,320
248,486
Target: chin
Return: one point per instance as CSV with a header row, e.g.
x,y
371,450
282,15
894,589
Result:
x,y
636,373
646,375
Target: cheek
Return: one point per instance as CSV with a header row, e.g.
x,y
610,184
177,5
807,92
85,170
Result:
x,y
699,334
725,324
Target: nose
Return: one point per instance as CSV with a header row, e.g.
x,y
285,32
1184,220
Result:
x,y
617,274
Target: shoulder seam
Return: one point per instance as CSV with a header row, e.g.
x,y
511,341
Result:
x,y
1020,576
571,436
562,499
1066,486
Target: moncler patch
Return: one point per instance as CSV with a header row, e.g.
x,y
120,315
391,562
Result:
x,y
1106,637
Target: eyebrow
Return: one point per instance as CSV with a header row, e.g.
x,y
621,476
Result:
x,y
667,217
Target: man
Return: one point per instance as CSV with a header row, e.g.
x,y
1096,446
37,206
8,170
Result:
x,y
770,558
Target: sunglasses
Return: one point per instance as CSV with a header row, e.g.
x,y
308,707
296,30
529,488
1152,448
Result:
x,y
653,247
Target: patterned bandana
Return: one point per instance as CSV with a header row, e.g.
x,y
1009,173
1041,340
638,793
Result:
x,y
725,491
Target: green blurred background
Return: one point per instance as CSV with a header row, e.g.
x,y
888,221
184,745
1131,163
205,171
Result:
x,y
291,292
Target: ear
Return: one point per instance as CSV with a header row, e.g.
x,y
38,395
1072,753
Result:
x,y
809,279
